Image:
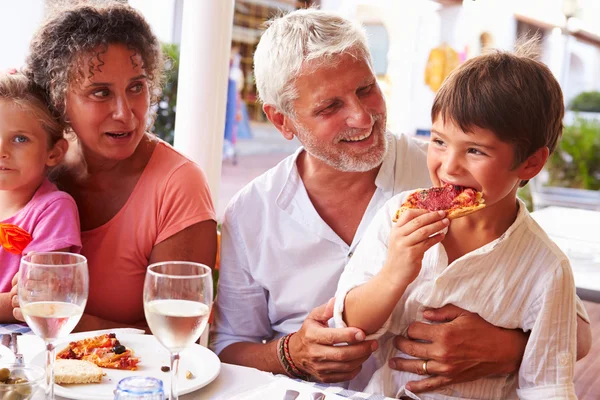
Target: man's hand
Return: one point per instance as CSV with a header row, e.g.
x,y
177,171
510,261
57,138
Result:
x,y
312,348
463,347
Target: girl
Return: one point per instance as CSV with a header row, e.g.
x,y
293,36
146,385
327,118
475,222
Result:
x,y
34,214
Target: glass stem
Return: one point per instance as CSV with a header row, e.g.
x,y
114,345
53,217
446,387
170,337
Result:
x,y
174,373
49,371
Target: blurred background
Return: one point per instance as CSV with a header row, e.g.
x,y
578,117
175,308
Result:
x,y
415,44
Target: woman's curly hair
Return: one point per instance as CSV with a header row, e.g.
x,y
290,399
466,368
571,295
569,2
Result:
x,y
59,48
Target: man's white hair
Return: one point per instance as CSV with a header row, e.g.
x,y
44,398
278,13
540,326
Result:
x,y
296,38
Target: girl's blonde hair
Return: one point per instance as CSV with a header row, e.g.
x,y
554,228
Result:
x,y
18,88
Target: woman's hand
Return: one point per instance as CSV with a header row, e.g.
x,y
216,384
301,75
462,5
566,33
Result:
x,y
415,232
463,347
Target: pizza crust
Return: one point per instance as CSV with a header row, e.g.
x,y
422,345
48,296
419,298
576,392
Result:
x,y
461,212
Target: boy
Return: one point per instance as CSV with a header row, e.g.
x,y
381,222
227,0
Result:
x,y
496,119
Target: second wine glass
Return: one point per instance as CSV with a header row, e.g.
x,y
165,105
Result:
x,y
177,300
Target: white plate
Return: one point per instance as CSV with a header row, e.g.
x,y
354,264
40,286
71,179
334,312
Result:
x,y
203,363
6,355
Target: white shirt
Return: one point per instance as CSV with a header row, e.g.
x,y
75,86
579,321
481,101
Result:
x,y
520,280
279,259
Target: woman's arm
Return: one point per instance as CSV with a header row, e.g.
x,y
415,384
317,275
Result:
x,y
197,243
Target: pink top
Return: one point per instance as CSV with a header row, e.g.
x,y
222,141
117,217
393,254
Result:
x,y
52,220
171,195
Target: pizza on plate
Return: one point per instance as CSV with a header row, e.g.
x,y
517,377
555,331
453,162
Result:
x,y
457,201
104,350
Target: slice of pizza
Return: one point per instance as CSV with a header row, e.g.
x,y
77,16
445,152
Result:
x,y
457,201
104,350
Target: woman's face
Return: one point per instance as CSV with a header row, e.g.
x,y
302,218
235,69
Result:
x,y
108,107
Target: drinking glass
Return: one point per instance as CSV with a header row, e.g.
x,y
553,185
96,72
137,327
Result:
x,y
52,290
139,388
177,300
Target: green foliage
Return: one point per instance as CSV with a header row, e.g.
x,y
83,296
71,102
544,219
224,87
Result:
x,y
576,162
524,194
586,101
164,126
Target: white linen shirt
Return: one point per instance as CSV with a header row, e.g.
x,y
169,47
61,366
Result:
x,y
279,259
520,280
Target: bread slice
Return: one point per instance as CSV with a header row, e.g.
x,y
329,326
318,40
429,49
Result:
x,y
76,371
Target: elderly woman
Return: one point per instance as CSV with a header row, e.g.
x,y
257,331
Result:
x,y
139,200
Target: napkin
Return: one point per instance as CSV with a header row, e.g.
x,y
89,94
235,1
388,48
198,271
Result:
x,y
276,390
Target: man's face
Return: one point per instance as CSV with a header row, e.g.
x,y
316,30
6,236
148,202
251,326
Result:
x,y
340,115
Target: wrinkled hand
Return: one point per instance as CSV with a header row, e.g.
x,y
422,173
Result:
x,y
415,232
463,347
312,348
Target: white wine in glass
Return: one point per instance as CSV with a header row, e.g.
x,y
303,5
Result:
x,y
52,290
177,300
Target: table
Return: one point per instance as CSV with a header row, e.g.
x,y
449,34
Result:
x,y
231,381
576,232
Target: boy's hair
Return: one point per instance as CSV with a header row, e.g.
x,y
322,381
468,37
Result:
x,y
73,34
510,94
16,87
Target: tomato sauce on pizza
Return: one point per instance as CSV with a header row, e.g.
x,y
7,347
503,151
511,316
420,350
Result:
x,y
457,201
104,350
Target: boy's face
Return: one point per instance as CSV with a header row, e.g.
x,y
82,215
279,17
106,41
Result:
x,y
476,159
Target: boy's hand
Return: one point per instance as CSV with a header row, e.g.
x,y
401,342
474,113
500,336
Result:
x,y
415,232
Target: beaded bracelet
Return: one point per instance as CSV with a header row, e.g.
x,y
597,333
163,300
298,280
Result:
x,y
285,359
281,356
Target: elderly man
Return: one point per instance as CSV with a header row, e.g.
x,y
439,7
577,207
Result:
x,y
289,233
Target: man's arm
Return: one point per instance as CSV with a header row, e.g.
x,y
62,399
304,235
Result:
x,y
584,338
464,347
311,349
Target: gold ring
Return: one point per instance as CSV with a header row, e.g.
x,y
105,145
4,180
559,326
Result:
x,y
425,372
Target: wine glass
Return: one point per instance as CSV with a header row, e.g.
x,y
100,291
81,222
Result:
x,y
177,300
52,290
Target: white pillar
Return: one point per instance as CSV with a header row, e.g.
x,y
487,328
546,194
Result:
x,y
202,91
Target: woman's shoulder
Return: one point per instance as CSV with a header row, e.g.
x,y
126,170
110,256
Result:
x,y
168,170
166,160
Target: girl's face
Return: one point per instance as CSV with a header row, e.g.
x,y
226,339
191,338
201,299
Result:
x,y
25,151
108,108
